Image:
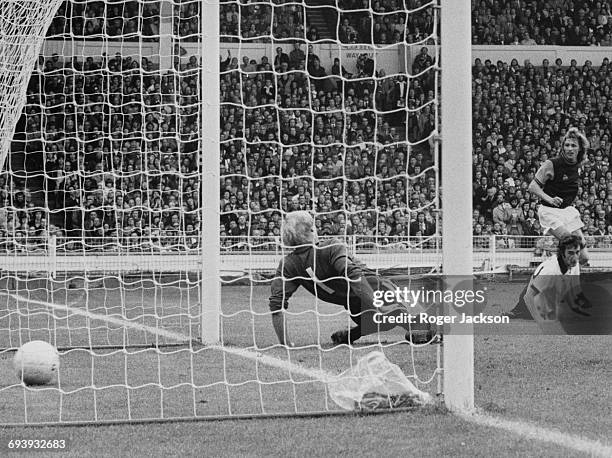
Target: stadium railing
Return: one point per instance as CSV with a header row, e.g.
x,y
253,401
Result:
x,y
491,253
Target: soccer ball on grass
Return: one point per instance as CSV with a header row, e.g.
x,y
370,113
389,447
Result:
x,y
36,363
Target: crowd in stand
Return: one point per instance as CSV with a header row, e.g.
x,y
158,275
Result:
x,y
258,21
389,23
552,22
116,140
98,20
301,141
255,21
138,180
494,22
520,113
132,20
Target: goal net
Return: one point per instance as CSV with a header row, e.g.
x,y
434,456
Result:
x,y
139,156
22,30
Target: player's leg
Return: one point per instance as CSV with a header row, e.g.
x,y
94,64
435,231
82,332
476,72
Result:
x,y
542,306
520,310
559,232
417,333
565,223
348,336
370,319
354,307
365,323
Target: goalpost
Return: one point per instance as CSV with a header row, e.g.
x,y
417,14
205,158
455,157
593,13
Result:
x,y
211,272
156,316
457,182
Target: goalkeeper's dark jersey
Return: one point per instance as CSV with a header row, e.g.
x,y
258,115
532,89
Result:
x,y
326,271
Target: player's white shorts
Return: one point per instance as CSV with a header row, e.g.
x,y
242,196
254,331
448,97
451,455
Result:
x,y
554,218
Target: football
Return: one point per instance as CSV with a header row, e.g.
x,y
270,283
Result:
x,y
36,363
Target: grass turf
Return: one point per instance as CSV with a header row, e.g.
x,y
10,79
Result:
x,y
428,433
553,381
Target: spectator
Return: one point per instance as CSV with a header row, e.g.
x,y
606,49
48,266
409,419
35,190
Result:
x,y
296,56
422,61
501,211
420,227
514,225
280,58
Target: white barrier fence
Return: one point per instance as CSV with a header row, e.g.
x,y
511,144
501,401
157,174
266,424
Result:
x,y
174,254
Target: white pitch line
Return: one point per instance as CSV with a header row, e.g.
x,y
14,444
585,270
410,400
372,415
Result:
x,y
249,354
520,428
317,374
95,316
534,432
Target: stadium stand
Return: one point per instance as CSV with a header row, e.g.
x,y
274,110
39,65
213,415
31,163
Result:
x,y
562,23
388,24
519,112
126,21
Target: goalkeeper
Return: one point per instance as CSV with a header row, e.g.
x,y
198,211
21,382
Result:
x,y
328,272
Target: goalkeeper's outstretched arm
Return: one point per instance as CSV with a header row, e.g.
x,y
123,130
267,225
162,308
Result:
x,y
278,321
281,290
298,229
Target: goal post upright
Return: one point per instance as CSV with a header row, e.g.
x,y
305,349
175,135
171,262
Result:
x,y
456,166
135,297
210,291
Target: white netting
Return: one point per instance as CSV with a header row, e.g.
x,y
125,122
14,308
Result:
x,y
22,27
102,220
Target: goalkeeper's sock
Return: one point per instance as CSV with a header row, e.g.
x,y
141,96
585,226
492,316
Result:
x,y
355,333
346,337
340,337
420,336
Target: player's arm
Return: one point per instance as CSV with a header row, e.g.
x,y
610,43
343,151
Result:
x,y
545,172
278,321
281,290
541,296
575,298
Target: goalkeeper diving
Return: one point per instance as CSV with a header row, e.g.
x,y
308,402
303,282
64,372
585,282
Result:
x,y
326,270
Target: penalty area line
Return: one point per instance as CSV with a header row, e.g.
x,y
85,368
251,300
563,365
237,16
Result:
x,y
532,431
317,374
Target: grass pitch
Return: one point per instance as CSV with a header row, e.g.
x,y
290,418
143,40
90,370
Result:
x,y
558,382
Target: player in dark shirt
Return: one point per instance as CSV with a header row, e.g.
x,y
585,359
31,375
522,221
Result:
x,y
328,272
556,184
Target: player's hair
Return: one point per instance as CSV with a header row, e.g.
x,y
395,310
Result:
x,y
583,142
297,228
571,240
